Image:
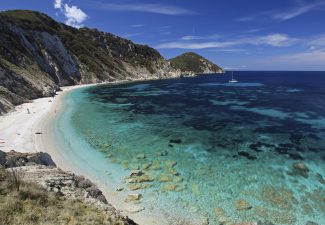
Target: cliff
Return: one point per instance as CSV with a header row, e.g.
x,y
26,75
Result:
x,y
190,62
38,55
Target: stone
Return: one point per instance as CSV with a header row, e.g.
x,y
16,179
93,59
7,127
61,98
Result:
x,y
119,189
170,187
242,205
224,220
155,165
165,178
175,141
139,179
221,217
279,197
141,156
163,153
134,187
135,173
301,169
311,223
133,197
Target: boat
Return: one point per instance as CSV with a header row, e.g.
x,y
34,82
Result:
x,y
232,78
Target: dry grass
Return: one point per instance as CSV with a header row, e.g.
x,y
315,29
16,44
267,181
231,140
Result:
x,y
31,204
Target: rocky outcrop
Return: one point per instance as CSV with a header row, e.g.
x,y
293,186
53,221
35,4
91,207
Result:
x,y
191,63
15,159
38,54
39,168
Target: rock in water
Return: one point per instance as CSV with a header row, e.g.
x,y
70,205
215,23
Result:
x,y
301,169
133,197
242,205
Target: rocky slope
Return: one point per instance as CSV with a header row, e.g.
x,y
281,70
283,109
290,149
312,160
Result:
x,y
38,168
38,55
190,62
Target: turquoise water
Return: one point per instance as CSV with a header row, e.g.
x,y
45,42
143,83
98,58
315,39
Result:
x,y
209,150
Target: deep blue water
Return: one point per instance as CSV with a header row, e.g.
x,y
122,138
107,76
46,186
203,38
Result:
x,y
210,146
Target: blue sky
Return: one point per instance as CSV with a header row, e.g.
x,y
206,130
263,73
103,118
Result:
x,y
235,34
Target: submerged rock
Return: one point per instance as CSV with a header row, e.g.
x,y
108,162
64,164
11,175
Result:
x,y
175,141
170,187
242,205
155,165
133,197
119,189
301,169
163,153
221,217
135,173
134,187
279,197
141,156
137,176
165,178
311,223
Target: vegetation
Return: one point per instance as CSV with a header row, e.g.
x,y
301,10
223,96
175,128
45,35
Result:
x,y
88,45
31,204
192,62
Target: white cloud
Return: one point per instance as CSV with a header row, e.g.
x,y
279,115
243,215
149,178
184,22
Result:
x,y
74,16
303,59
245,18
318,41
301,9
132,35
194,45
147,7
275,40
137,25
192,37
228,50
57,4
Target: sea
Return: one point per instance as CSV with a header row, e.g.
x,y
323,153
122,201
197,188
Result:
x,y
201,150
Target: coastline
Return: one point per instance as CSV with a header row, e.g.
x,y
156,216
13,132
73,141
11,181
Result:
x,y
31,133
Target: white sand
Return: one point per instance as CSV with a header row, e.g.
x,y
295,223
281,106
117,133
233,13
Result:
x,y
18,129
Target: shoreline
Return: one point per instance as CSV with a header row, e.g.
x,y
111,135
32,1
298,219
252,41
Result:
x,y
31,133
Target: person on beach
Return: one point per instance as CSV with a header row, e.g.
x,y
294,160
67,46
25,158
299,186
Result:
x,y
28,111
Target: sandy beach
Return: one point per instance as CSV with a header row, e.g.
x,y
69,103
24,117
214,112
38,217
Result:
x,y
22,129
27,129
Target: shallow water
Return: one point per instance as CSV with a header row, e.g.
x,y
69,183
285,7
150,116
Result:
x,y
214,151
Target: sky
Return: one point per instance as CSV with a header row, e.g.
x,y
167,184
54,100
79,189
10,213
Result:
x,y
235,34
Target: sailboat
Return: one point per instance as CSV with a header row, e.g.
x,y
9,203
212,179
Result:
x,y
232,78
